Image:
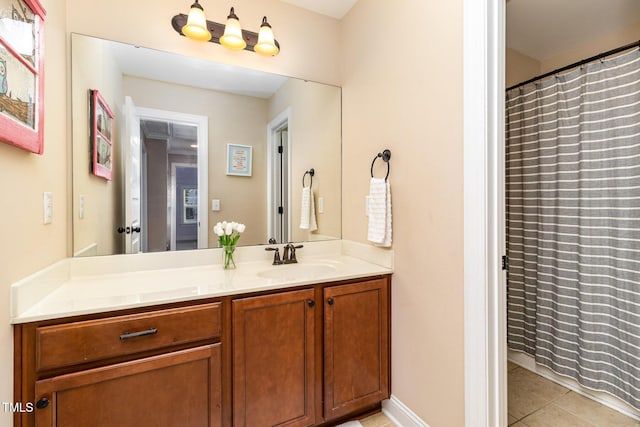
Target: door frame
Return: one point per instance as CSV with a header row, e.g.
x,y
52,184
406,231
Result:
x,y
202,124
272,129
485,352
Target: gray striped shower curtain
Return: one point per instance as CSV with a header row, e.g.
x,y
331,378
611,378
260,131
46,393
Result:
x,y
573,223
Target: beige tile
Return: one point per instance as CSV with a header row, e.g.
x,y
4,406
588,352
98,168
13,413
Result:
x,y
528,392
593,411
512,419
553,416
377,420
519,424
511,366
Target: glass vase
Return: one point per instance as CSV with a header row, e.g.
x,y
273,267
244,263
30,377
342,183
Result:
x,y
227,262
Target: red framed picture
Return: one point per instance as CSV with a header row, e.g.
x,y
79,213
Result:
x,y
101,136
22,74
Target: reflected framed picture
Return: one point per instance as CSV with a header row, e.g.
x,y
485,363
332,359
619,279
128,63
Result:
x,y
22,74
239,159
101,119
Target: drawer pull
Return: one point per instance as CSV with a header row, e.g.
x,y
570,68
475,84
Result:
x,y
129,335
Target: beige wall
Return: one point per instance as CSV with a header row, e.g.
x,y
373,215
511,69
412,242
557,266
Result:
x,y
519,67
27,244
315,134
402,90
232,119
95,68
592,47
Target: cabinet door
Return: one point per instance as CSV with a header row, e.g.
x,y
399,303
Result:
x,y
273,360
175,389
356,346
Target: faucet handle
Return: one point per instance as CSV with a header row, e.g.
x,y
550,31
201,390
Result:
x,y
276,255
292,255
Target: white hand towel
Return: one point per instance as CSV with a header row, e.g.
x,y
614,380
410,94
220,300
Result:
x,y
379,231
308,211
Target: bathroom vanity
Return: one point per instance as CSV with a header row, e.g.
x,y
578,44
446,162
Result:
x,y
289,349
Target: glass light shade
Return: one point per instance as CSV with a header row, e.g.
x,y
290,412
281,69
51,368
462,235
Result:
x,y
232,37
266,41
196,26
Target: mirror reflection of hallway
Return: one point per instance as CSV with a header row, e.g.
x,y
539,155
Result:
x,y
169,176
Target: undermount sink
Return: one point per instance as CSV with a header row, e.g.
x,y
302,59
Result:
x,y
291,272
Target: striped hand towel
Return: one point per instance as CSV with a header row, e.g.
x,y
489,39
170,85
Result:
x,y
379,231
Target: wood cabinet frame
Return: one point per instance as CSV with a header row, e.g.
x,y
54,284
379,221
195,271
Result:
x,y
26,375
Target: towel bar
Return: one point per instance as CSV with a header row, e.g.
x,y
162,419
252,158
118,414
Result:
x,y
311,173
385,155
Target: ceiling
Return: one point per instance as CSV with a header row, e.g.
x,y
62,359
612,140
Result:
x,y
544,28
334,8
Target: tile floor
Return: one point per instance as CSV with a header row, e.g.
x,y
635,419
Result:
x,y
377,420
535,401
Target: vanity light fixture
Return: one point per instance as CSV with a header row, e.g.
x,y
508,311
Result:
x,y
196,27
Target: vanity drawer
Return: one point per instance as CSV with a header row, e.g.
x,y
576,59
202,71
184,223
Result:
x,y
87,341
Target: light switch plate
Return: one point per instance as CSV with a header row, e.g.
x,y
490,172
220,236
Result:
x,y
81,207
320,204
47,202
215,205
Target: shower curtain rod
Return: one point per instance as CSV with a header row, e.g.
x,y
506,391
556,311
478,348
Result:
x,y
579,63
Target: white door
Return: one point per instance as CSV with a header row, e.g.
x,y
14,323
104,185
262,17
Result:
x,y
131,153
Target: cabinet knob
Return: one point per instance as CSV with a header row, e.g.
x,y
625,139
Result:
x,y
330,301
42,403
311,303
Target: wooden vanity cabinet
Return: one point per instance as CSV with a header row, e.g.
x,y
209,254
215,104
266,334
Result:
x,y
180,388
356,346
274,360
159,367
309,356
276,346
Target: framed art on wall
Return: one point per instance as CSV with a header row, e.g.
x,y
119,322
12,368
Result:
x,y
101,118
22,74
239,159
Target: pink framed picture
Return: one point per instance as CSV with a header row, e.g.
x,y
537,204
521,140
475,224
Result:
x,y
101,136
22,74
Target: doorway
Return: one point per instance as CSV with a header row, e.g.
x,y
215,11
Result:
x,y
278,177
173,179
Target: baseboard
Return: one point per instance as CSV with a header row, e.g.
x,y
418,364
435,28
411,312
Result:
x,y
400,414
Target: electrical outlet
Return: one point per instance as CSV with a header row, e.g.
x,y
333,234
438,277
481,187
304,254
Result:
x,y
47,201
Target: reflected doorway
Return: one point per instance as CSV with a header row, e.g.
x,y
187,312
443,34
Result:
x,y
173,178
279,194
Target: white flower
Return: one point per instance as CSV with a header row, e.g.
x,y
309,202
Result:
x,y
240,228
218,229
228,229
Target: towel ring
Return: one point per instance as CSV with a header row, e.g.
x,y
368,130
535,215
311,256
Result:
x,y
385,155
311,173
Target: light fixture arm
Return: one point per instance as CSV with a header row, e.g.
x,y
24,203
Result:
x,y
217,30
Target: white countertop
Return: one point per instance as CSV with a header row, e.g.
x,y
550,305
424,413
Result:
x,y
79,286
